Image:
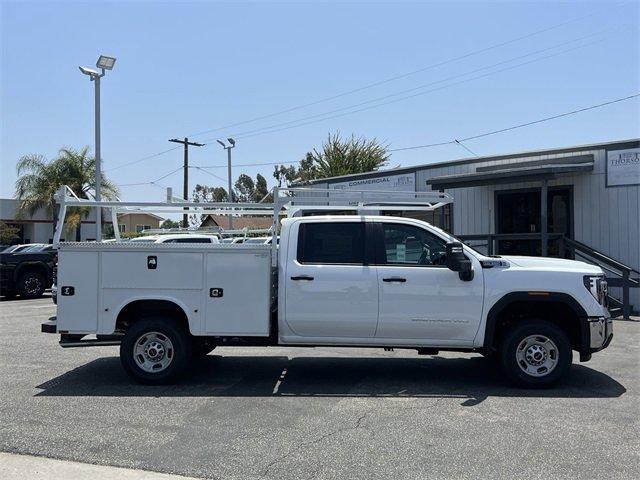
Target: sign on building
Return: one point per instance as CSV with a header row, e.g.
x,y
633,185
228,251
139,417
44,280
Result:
x,y
623,167
390,183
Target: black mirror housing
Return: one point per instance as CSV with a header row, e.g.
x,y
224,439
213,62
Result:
x,y
458,262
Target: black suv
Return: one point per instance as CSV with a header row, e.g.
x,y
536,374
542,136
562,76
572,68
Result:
x,y
27,273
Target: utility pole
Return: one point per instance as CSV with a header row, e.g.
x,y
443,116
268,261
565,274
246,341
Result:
x,y
232,143
185,185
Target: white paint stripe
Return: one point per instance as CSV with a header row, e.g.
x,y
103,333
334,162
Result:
x,y
279,382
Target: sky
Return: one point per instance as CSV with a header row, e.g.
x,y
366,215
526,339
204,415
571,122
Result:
x,y
405,73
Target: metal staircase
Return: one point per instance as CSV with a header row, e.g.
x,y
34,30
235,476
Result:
x,y
617,274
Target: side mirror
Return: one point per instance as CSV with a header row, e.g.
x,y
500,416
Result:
x,y
457,262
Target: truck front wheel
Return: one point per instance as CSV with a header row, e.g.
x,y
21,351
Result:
x,y
535,354
155,350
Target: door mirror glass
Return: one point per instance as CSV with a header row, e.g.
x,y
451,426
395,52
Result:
x,y
456,259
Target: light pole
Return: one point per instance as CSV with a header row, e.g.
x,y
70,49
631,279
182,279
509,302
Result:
x,y
232,143
104,63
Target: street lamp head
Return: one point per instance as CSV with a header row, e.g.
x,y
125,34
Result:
x,y
231,141
221,143
105,62
88,71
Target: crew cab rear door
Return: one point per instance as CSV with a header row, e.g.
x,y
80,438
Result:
x,y
331,291
420,298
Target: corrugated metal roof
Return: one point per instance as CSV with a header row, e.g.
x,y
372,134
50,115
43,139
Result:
x,y
618,144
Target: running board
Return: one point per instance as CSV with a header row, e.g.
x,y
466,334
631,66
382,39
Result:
x,y
89,343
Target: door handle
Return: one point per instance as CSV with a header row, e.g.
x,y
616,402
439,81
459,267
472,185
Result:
x,y
394,279
302,277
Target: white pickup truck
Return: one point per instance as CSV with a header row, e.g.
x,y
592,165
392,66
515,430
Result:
x,y
341,280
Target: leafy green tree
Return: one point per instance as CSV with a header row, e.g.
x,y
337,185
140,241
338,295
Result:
x,y
206,194
8,234
168,223
337,156
39,179
246,190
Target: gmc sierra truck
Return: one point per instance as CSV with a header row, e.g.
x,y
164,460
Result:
x,y
342,281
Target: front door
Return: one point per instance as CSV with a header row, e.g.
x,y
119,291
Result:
x,y
330,290
519,212
420,298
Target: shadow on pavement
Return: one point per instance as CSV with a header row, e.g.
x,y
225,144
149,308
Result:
x,y
473,379
4,298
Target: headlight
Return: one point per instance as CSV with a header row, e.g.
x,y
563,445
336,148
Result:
x,y
597,286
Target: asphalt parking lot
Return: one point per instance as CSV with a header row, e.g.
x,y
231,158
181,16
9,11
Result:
x,y
323,413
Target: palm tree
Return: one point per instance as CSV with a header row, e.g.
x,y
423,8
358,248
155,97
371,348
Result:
x,y
39,179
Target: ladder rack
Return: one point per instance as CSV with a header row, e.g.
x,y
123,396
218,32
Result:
x,y
286,201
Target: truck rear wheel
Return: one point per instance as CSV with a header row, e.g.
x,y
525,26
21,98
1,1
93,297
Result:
x,y
31,285
535,354
155,350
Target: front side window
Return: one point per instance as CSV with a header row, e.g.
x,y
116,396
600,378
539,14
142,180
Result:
x,y
412,246
331,243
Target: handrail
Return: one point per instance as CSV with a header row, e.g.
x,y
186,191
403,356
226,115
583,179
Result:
x,y
576,245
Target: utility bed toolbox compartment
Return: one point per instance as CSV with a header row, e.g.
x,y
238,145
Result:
x,y
222,289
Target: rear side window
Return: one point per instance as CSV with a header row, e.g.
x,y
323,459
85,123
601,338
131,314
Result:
x,y
333,243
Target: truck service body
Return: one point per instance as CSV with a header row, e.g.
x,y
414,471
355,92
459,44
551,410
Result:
x,y
333,280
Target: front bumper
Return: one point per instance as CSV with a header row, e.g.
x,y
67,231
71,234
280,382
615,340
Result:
x,y
600,333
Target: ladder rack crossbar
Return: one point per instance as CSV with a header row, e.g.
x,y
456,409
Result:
x,y
286,201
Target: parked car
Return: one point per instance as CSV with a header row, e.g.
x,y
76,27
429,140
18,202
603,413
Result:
x,y
27,273
342,281
19,248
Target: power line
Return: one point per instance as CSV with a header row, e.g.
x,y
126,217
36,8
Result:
x,y
467,148
521,125
293,123
467,55
205,168
411,96
141,159
406,74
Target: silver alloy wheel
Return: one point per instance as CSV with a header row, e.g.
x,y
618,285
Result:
x,y
153,352
32,285
537,355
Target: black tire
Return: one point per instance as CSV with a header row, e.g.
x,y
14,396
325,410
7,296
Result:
x,y
139,337
201,349
530,362
31,285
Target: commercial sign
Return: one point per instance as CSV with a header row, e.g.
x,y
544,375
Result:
x,y
623,167
390,183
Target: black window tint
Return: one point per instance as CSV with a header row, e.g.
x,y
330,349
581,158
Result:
x,y
193,240
409,245
339,242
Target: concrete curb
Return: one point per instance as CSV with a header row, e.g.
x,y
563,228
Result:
x,y
19,467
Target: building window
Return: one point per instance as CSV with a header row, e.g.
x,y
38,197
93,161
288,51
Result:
x,y
140,228
122,228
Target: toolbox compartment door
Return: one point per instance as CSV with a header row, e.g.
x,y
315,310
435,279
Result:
x,y
238,293
77,285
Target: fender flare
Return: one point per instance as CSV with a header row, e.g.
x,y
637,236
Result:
x,y
512,297
41,267
129,301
